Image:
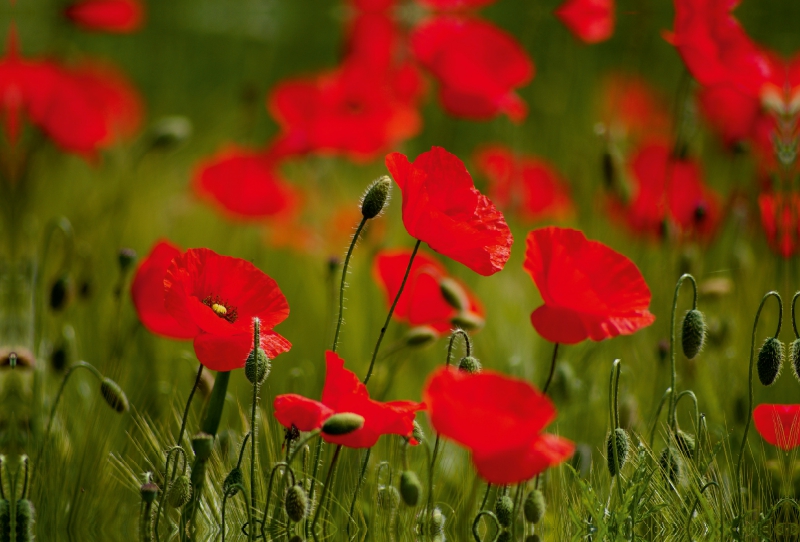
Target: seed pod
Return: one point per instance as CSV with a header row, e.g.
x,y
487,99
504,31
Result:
x,y
410,487
296,503
794,354
388,498
686,444
470,365
342,423
180,492
534,506
376,197
114,395
235,477
202,444
421,335
257,366
670,464
25,518
693,333
623,445
148,491
770,360
504,509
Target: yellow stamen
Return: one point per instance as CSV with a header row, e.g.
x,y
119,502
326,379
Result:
x,y
219,309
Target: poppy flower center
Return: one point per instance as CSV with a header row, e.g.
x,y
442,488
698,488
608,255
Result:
x,y
221,308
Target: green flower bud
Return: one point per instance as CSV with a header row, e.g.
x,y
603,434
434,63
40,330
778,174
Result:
x,y
25,518
421,335
670,465
342,423
770,360
431,524
257,366
149,492
693,334
794,354
126,258
388,498
376,197
623,445
504,509
534,506
468,321
202,445
410,487
235,477
114,395
454,294
61,292
180,492
296,503
417,433
469,364
168,133
686,444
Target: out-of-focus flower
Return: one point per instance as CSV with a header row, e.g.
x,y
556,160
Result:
x,y
780,218
343,392
478,66
591,21
217,297
422,302
525,185
632,109
118,16
442,208
499,419
589,290
779,425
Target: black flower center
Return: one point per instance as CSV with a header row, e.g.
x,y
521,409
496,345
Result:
x,y
221,308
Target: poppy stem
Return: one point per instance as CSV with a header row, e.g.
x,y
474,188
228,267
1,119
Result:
x,y
740,503
359,482
667,393
672,398
613,407
694,507
253,425
477,520
552,370
343,283
485,497
326,487
391,311
467,345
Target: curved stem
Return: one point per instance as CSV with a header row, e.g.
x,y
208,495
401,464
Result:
x,y
694,507
693,397
467,345
77,365
326,487
242,448
343,283
739,499
477,520
794,321
286,469
239,489
485,497
667,393
673,374
391,311
552,370
360,481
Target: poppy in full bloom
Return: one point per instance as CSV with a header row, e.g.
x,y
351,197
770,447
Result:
x,y
244,184
147,292
422,302
778,424
589,290
344,392
216,298
525,184
119,16
442,207
478,66
499,419
591,21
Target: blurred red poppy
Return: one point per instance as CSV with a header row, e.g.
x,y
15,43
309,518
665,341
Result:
x,y
591,21
780,218
217,297
422,302
499,419
525,184
244,184
344,392
478,66
147,292
589,290
119,16
778,424
442,208
631,108
455,4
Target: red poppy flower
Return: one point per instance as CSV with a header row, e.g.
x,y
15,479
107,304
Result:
x,y
217,298
455,4
589,291
422,302
780,218
730,112
121,16
344,392
526,184
243,184
778,424
591,21
147,292
499,419
632,108
442,208
477,65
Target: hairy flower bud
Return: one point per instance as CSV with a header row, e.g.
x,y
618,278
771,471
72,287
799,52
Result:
x,y
417,433
25,518
257,366
234,478
296,503
470,365
342,423
686,444
504,509
168,133
410,487
770,360
534,506
388,498
180,491
468,321
149,492
202,444
376,197
114,395
454,293
623,445
794,355
670,465
126,258
421,335
693,333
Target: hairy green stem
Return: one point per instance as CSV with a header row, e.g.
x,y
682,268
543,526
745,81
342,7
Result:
x,y
326,487
673,371
667,393
343,283
613,408
357,490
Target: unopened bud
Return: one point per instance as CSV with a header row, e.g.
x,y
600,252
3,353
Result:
x,y
623,445
435,522
233,479
794,354
454,294
376,197
421,335
202,445
469,364
180,492
504,509
410,487
388,498
468,321
126,258
342,424
25,518
61,292
693,333
534,506
503,536
296,503
168,133
205,384
770,360
670,465
149,492
114,395
257,366
417,433
686,444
